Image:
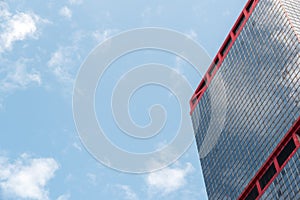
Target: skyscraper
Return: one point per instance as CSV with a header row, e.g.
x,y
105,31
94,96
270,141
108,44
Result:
x,y
246,110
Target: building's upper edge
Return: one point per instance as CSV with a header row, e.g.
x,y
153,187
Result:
x,y
222,53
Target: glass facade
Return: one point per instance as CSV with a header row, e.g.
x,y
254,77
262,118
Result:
x,y
261,78
287,183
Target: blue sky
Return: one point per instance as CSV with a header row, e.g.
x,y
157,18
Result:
x,y
42,46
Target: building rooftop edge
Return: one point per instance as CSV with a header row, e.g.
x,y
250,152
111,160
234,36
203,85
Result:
x,y
222,53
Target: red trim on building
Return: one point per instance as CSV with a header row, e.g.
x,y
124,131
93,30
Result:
x,y
284,151
222,53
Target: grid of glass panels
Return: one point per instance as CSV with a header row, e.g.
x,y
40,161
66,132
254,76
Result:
x,y
261,77
292,10
287,183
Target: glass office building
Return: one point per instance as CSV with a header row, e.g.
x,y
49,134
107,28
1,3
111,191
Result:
x,y
246,110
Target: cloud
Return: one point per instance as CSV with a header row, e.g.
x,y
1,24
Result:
x,y
61,63
65,12
192,34
16,27
77,146
64,197
17,76
4,11
17,72
100,36
169,179
26,178
65,61
129,194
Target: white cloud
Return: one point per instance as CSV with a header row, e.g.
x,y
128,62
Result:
x,y
26,178
17,76
65,12
4,11
61,63
64,197
65,61
16,27
129,194
169,179
192,34
179,65
77,146
100,36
